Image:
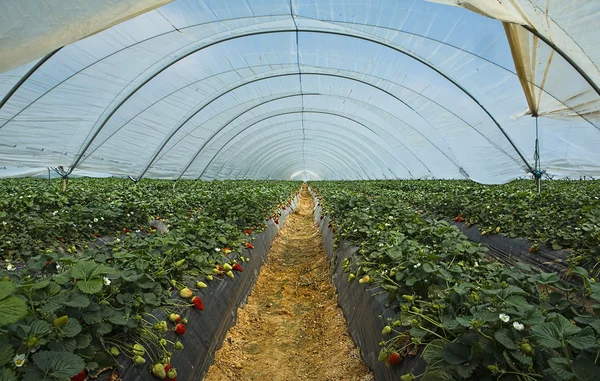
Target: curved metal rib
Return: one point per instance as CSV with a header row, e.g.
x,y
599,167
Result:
x,y
350,35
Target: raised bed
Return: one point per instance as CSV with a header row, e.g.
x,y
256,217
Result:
x,y
207,329
364,311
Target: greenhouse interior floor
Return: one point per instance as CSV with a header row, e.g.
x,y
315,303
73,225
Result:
x,y
292,327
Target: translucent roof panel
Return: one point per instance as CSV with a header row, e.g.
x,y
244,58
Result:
x,y
359,89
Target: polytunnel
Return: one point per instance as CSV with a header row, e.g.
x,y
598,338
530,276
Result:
x,y
278,89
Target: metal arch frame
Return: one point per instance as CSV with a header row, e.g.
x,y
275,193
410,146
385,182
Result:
x,y
182,123
346,151
329,167
360,147
290,144
303,30
364,152
287,166
296,112
345,148
267,161
29,73
331,155
158,101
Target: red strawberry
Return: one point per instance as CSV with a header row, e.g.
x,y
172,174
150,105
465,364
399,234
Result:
x,y
168,367
198,303
322,217
394,359
96,235
79,376
248,231
237,267
180,329
277,221
284,208
329,226
48,263
249,245
63,239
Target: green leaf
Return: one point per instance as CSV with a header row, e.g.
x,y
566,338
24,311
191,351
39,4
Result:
x,y
517,301
6,289
521,357
565,327
40,284
77,300
83,269
505,337
533,316
456,353
547,335
560,366
58,365
91,286
12,309
40,328
583,339
72,328
556,246
586,370
6,351
102,329
433,351
82,341
7,375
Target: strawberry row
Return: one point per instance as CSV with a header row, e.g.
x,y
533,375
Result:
x,y
467,317
72,313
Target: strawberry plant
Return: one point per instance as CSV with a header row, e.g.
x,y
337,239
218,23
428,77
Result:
x,y
467,316
101,277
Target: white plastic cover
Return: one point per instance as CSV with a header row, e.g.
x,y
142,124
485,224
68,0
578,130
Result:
x,y
359,89
30,29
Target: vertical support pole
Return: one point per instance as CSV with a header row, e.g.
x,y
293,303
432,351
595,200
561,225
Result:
x,y
537,173
64,183
48,176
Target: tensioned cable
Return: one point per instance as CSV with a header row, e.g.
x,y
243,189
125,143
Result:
x,y
299,78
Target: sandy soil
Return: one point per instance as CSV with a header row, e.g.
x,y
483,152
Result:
x,y
291,328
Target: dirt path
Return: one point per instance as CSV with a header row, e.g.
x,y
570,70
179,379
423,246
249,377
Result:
x,y
291,328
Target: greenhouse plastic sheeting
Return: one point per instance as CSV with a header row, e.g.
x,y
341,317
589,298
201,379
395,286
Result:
x,y
335,90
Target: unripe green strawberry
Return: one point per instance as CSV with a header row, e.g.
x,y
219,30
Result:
x,y
365,279
163,342
138,350
201,284
351,277
32,342
229,274
396,323
174,318
184,320
209,277
173,283
527,348
159,371
407,377
139,360
60,321
172,373
215,271
114,351
408,298
386,330
383,355
179,262
227,267
186,293
178,345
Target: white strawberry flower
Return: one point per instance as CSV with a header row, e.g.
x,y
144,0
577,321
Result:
x,y
95,219
518,326
504,317
19,360
106,281
417,265
10,267
217,249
